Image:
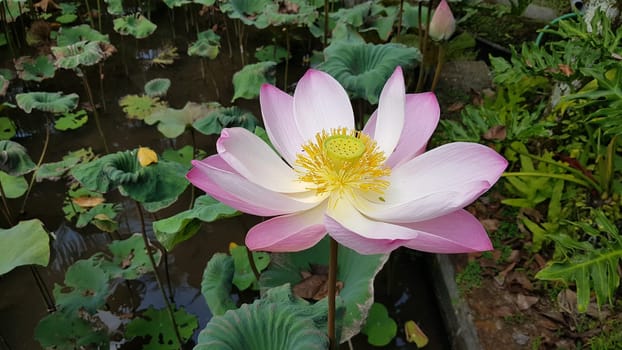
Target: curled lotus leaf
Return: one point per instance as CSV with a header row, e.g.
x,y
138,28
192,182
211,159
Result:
x,y
14,159
157,87
278,321
35,69
82,53
355,271
53,102
207,45
83,32
363,68
137,26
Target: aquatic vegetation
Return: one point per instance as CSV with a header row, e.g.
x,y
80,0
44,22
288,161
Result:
x,y
26,243
35,69
137,26
52,102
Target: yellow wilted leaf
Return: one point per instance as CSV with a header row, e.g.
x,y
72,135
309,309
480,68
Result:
x,y
88,202
146,156
414,334
232,245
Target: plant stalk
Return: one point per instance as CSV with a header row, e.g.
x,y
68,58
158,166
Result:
x,y
399,18
440,60
251,262
34,174
288,47
89,92
332,293
325,23
5,210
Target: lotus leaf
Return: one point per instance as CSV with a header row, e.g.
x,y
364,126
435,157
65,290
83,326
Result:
x,y
225,117
53,102
278,321
379,327
137,26
176,3
7,128
181,226
410,17
370,15
13,186
355,271
247,82
244,276
182,156
54,171
156,325
4,85
217,282
173,122
68,15
288,12
82,53
37,69
14,9
363,68
159,184
157,87
86,287
24,244
129,258
205,2
14,159
271,53
72,35
71,121
101,216
207,45
140,106
3,39
63,330
244,10
115,7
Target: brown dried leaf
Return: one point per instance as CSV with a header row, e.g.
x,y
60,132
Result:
x,y
127,262
565,69
455,107
497,132
88,202
524,302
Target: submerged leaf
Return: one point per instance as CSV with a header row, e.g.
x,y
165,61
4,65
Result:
x,y
247,82
53,102
26,243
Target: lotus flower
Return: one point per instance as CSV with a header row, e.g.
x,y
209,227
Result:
x,y
372,190
443,23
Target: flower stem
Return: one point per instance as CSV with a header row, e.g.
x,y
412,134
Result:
x,y
34,174
440,60
251,262
332,293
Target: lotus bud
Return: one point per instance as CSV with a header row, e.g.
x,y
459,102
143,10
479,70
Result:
x,y
443,23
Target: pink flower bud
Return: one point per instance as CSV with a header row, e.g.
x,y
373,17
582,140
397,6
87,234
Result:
x,y
443,23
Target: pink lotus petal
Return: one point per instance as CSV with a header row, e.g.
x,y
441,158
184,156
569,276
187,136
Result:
x,y
390,117
456,232
443,23
277,109
422,114
370,126
320,103
252,158
436,183
358,243
288,233
216,178
351,219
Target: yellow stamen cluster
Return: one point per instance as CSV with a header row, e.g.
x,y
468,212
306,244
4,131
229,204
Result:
x,y
342,161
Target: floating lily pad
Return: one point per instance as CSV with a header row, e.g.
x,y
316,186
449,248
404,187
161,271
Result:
x,y
7,128
37,69
355,271
157,87
71,121
226,117
379,327
86,286
14,158
217,283
26,243
140,106
82,53
157,327
53,171
363,68
181,226
13,186
83,32
53,102
278,321
137,26
64,330
247,82
173,122
207,45
101,216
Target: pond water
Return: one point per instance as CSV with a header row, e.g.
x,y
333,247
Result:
x,y
403,286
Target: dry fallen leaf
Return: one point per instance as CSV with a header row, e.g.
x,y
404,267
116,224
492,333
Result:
x,y
497,132
524,302
88,202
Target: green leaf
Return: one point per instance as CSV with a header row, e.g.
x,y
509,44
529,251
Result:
x,y
86,286
82,53
157,87
363,68
129,258
66,331
356,271
278,321
272,53
173,122
180,227
217,282
53,102
26,243
137,26
115,7
14,158
37,69
182,156
248,81
13,186
101,216
225,117
53,171
379,327
207,45
245,10
157,326
7,128
140,106
83,32
244,276
71,121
